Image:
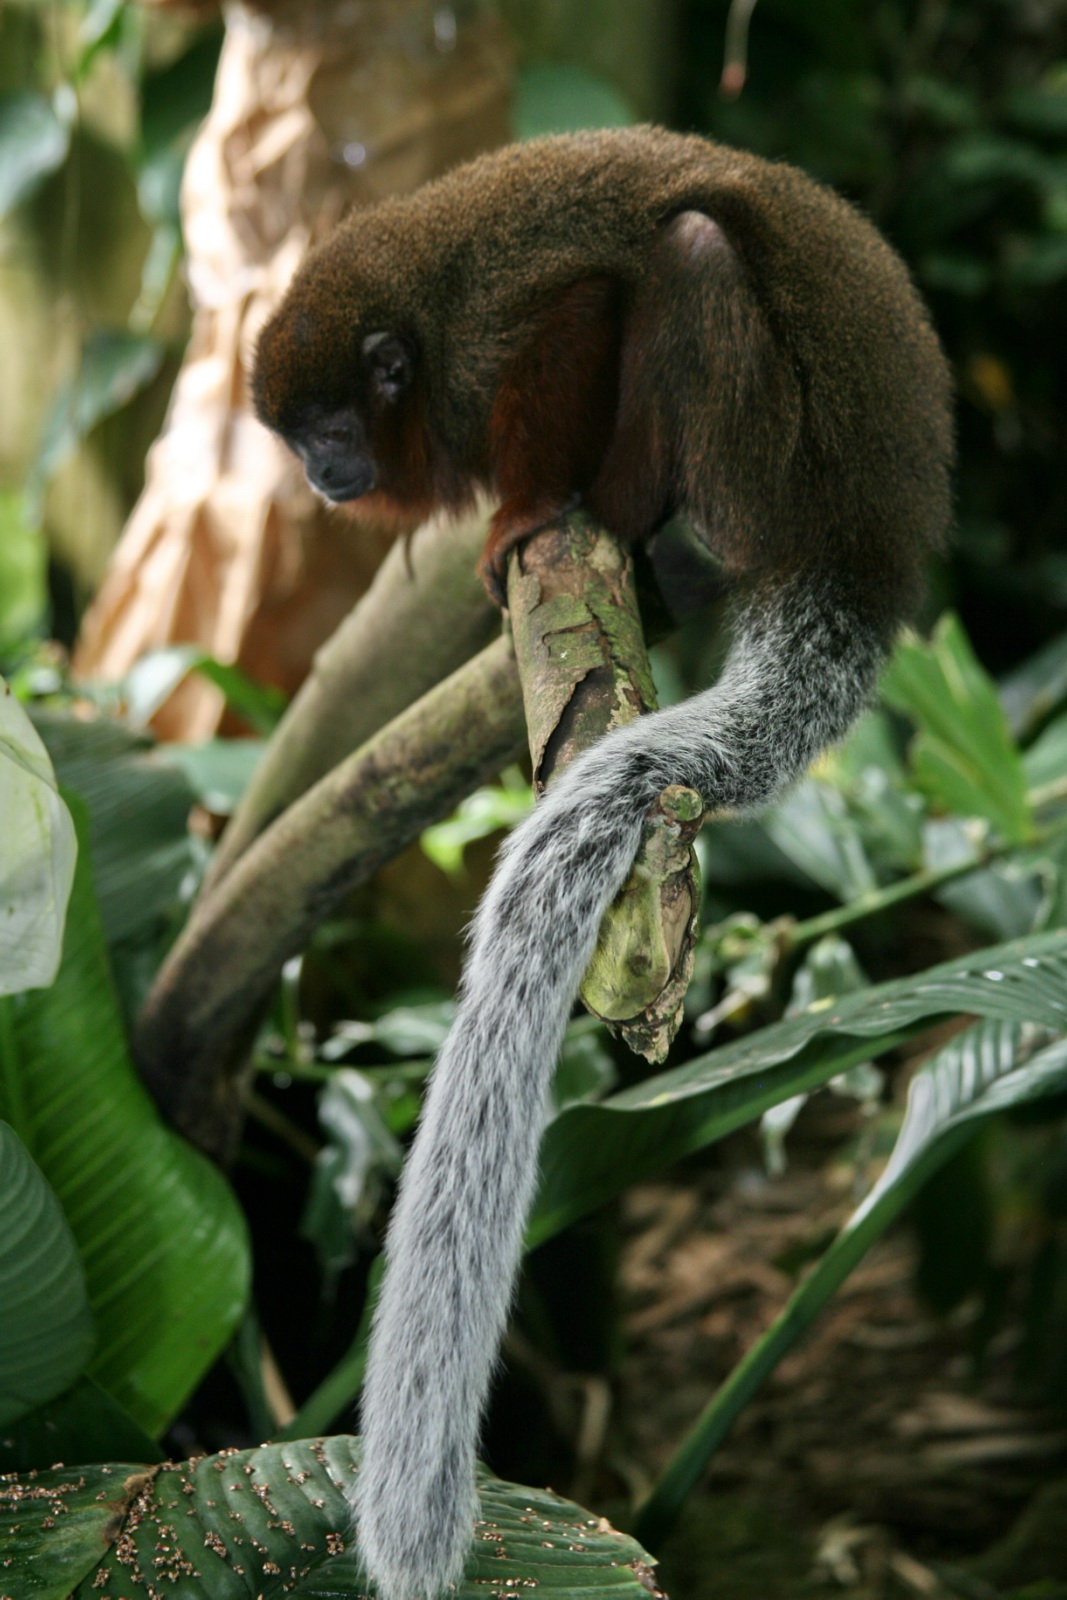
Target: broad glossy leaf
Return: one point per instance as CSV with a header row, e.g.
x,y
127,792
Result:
x,y
46,1328
55,1525
963,756
138,805
37,851
591,1152
276,1521
161,1237
81,1424
990,1067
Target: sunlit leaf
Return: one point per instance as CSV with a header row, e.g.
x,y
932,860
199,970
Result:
x,y
963,756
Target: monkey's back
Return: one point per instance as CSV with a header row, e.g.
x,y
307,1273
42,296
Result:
x,y
468,263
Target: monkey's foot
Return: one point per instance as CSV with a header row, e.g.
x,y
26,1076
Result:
x,y
509,528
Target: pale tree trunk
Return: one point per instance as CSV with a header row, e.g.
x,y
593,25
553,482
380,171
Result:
x,y
319,104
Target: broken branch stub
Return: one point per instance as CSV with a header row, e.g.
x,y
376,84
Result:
x,y
584,670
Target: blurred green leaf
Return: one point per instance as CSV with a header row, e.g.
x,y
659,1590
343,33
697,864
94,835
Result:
x,y
83,1424
218,771
963,756
484,812
116,364
590,1152
34,139
37,852
1001,901
1033,690
138,805
813,827
23,574
559,98
161,1237
46,1335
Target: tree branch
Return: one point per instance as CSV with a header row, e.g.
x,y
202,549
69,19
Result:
x,y
194,1032
584,669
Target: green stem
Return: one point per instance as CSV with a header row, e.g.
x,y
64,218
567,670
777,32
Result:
x,y
340,1387
919,883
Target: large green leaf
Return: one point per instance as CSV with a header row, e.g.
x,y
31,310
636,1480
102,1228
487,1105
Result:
x,y
963,756
161,1236
82,1424
46,1331
54,1527
591,1152
990,1067
275,1521
37,850
138,805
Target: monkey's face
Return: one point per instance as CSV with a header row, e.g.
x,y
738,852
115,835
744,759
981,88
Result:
x,y
296,398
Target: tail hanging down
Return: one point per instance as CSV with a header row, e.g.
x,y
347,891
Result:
x,y
799,670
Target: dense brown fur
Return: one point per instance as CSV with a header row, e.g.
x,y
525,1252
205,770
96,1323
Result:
x,y
653,324
577,325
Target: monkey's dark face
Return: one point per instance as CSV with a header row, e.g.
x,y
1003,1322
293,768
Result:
x,y
335,442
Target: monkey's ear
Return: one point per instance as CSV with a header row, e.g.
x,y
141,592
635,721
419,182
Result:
x,y
390,363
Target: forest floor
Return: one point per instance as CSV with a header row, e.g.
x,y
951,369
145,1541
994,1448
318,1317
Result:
x,y
877,1462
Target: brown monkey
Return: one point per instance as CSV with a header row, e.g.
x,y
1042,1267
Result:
x,y
654,325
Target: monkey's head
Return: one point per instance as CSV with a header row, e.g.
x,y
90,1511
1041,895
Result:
x,y
331,391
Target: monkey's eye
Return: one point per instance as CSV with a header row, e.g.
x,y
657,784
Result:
x,y
337,433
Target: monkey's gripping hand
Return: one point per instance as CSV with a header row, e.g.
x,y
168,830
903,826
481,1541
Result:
x,y
799,670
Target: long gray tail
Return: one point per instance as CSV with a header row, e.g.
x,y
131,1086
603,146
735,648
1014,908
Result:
x,y
800,668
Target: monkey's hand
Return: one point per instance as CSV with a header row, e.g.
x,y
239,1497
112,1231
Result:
x,y
511,525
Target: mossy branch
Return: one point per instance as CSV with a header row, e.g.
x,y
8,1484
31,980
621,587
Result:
x,y
584,670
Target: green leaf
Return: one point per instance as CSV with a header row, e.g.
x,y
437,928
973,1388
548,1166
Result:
x,y
161,1237
591,1152
1045,763
37,851
82,1424
483,813
53,1526
138,804
964,756
1033,690
34,140
276,1520
47,1330
115,365
812,826
23,580
990,1067
559,98
218,771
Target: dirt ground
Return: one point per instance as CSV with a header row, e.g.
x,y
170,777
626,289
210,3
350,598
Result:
x,y
874,1463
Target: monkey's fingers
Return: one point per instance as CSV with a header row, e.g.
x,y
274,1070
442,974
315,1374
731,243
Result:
x,y
510,527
